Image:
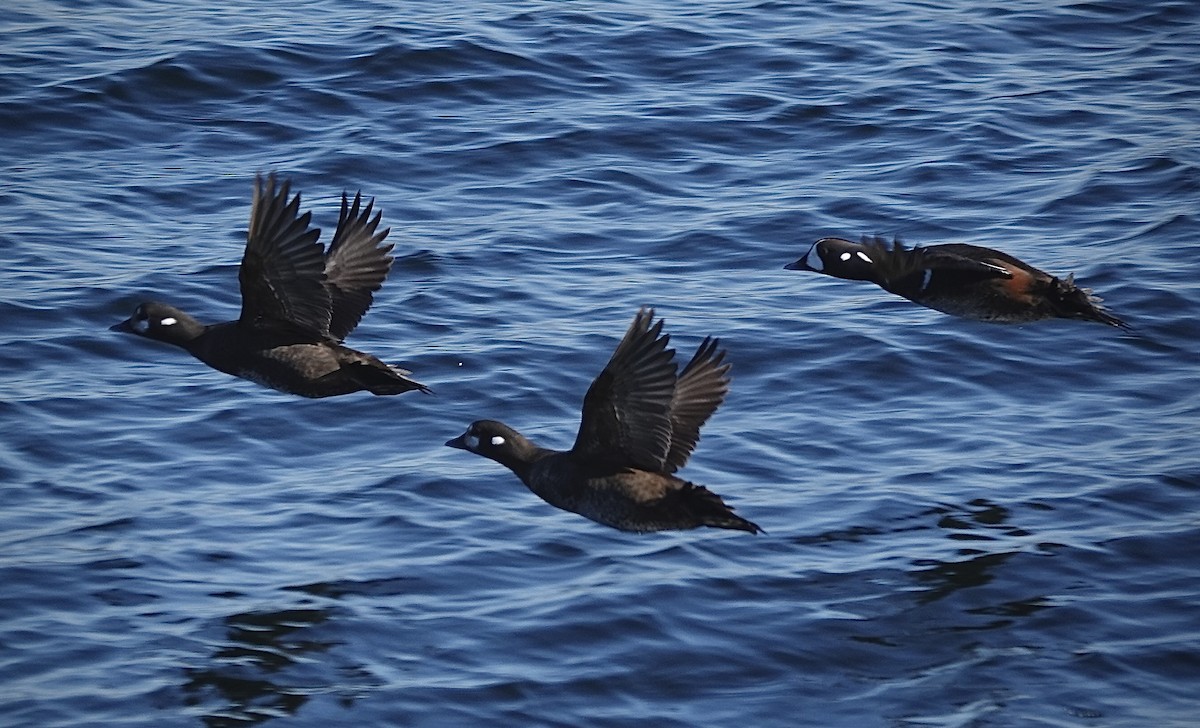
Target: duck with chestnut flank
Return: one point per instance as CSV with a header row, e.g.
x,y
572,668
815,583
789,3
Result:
x,y
962,280
641,420
298,303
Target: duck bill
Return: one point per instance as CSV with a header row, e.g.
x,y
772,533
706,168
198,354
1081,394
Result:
x,y
125,326
459,442
799,265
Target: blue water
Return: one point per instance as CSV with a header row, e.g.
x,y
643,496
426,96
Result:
x,y
967,524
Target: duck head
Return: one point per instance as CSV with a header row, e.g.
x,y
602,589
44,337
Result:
x,y
161,322
496,441
838,257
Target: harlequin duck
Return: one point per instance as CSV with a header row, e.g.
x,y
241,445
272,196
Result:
x,y
640,423
298,303
962,280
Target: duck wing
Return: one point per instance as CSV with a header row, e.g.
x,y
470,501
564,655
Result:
x,y
626,418
701,388
282,275
356,265
905,270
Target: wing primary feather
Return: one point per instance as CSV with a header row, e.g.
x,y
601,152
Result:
x,y
626,418
357,264
700,390
282,275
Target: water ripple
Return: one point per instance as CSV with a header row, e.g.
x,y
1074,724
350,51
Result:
x,y
967,524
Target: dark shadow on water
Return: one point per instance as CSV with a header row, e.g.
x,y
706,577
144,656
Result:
x,y
984,525
944,578
262,671
349,587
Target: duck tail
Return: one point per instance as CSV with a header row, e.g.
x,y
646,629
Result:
x,y
1072,301
711,511
383,379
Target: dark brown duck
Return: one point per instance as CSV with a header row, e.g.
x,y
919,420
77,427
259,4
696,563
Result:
x,y
641,420
298,304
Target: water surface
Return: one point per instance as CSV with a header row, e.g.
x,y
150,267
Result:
x,y
967,524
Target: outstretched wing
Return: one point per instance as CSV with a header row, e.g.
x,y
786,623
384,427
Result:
x,y
356,265
283,270
627,411
700,390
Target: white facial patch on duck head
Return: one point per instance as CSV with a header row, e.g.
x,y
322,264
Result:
x,y
863,255
168,321
813,259
471,441
497,440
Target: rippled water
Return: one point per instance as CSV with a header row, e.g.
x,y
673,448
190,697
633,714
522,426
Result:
x,y
967,524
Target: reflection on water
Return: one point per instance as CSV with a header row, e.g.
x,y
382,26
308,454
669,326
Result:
x,y
341,588
259,672
979,521
930,486
945,578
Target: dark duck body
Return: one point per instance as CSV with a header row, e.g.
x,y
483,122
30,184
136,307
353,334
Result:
x,y
962,280
298,304
641,420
